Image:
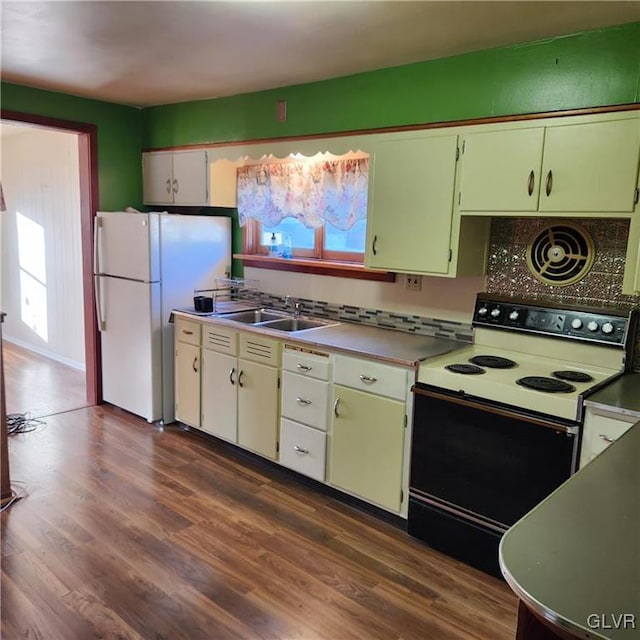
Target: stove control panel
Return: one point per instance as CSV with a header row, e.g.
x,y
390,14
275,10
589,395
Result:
x,y
588,326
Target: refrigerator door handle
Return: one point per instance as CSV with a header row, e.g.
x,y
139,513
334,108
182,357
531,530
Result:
x,y
96,239
102,325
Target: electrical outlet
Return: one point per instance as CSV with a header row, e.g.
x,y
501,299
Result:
x,y
413,283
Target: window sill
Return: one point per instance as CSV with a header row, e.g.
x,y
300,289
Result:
x,y
319,267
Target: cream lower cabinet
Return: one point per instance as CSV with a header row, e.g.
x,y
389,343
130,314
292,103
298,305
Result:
x,y
305,411
586,165
219,382
258,394
187,372
601,428
368,431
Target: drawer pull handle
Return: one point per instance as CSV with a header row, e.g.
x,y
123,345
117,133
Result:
x,y
368,379
531,182
187,333
194,366
606,438
240,379
300,450
304,367
303,401
231,380
335,408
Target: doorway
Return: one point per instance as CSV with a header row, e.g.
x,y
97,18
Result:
x,y
57,367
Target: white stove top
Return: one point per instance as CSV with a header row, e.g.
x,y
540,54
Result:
x,y
499,385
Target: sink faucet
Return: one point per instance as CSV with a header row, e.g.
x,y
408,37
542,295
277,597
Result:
x,y
296,306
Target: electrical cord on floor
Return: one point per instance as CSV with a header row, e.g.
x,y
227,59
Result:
x,y
15,496
22,423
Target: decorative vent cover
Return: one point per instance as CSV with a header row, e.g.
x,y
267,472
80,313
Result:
x,y
560,254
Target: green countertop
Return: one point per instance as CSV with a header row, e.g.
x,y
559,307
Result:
x,y
622,395
575,558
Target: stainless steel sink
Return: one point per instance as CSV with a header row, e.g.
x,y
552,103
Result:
x,y
255,316
297,324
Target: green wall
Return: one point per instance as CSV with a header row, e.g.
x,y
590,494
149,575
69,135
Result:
x,y
119,137
595,68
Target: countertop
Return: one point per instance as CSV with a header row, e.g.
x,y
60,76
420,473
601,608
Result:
x,y
577,554
396,347
622,395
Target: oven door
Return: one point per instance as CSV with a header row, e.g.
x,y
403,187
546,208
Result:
x,y
491,462
476,468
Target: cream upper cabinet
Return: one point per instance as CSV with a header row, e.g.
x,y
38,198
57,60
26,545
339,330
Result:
x,y
175,177
580,167
411,187
500,170
631,281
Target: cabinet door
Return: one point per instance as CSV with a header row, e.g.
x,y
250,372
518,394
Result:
x,y
187,384
411,204
500,170
591,167
157,178
258,408
367,442
631,282
190,178
219,396
601,428
223,183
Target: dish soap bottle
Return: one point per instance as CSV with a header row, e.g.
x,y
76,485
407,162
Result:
x,y
287,247
273,246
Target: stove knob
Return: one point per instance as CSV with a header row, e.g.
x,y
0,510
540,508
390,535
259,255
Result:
x,y
576,323
482,311
607,328
514,315
495,313
593,326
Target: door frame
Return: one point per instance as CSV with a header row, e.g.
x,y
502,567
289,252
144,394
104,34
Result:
x,y
88,170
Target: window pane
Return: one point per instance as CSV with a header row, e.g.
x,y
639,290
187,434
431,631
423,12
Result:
x,y
351,240
301,237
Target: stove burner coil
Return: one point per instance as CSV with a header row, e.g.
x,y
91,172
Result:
x,y
573,376
466,369
493,362
550,385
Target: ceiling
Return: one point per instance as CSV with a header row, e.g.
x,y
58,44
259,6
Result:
x,y
149,53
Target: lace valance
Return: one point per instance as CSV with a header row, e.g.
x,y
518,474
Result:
x,y
313,192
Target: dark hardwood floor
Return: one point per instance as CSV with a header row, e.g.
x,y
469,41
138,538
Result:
x,y
39,385
132,532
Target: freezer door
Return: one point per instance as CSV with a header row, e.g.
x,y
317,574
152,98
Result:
x,y
127,245
131,346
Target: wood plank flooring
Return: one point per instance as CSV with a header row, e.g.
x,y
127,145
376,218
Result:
x,y
39,385
132,532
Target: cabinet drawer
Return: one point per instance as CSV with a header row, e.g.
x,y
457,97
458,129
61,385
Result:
x,y
306,363
188,331
220,339
602,428
305,400
367,375
258,349
303,449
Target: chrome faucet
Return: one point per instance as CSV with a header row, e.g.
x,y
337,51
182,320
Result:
x,y
296,306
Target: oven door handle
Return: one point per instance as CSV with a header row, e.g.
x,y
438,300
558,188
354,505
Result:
x,y
500,411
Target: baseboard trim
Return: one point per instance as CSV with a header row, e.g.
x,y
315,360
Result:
x,y
47,354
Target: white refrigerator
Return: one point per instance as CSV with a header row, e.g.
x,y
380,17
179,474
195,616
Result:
x,y
145,265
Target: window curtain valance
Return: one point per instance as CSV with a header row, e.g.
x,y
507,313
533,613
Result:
x,y
313,192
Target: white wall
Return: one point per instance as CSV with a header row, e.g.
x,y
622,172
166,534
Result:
x,y
443,298
41,237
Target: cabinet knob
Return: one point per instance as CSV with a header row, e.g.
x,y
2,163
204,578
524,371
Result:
x,y
304,367
549,183
303,401
176,186
368,379
335,408
606,438
374,245
231,380
168,185
240,379
194,366
300,450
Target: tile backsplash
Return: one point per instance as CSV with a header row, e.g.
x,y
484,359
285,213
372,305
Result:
x,y
508,274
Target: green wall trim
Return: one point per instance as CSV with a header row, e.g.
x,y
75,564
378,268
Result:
x,y
119,137
591,69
